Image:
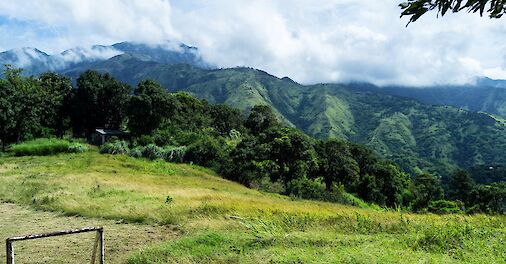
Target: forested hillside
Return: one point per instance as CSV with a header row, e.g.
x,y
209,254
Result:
x,y
486,96
418,136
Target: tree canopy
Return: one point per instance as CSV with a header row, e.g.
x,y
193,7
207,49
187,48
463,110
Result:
x,y
417,8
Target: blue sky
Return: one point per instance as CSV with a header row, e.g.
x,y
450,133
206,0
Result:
x,y
309,41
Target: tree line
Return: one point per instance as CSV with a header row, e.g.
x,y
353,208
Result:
x,y
254,149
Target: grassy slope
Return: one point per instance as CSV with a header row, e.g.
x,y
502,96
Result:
x,y
417,136
225,222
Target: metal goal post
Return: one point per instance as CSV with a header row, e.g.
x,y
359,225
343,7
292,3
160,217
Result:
x,y
98,246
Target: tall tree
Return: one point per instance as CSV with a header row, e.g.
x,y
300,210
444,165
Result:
x,y
56,90
427,189
226,118
336,163
260,119
99,102
461,186
20,107
148,107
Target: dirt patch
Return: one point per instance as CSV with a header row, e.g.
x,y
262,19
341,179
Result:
x,y
120,239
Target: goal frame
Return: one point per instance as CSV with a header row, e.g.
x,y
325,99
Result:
x,y
98,245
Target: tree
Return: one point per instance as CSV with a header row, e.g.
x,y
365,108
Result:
x,y
260,119
490,198
461,186
416,8
293,151
226,118
57,90
20,107
389,184
336,163
148,107
427,189
99,102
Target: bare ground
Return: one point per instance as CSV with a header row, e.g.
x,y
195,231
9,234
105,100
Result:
x,y
120,239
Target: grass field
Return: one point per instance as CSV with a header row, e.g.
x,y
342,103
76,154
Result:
x,y
219,221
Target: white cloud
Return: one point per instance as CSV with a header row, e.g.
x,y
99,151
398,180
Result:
x,y
309,41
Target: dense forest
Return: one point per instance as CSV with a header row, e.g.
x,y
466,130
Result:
x,y
419,137
255,148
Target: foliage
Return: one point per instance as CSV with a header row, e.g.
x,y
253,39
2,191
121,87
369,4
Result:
x,y
305,188
258,151
147,108
260,119
461,186
445,207
205,150
115,147
20,107
417,8
153,152
427,189
44,146
175,154
489,198
337,164
56,102
99,101
419,137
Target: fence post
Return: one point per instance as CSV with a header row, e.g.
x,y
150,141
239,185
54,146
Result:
x,y
102,248
94,250
10,251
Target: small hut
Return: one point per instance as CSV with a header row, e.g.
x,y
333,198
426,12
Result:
x,y
102,135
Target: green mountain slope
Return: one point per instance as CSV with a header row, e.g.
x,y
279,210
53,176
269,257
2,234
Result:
x,y
416,135
485,96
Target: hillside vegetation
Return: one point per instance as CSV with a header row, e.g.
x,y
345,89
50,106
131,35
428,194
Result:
x,y
257,151
417,136
224,222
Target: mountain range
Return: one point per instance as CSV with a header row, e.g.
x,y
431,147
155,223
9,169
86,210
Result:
x,y
34,62
432,129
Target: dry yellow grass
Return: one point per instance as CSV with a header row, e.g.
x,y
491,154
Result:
x,y
226,222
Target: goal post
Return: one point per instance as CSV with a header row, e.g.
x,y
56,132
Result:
x,y
98,246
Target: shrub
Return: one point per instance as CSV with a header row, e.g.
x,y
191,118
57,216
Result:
x,y
77,148
46,146
153,152
174,154
206,151
265,184
445,207
305,188
115,147
136,152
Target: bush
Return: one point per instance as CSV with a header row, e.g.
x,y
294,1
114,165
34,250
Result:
x,y
305,188
77,148
206,151
115,147
153,152
174,154
46,146
445,207
136,152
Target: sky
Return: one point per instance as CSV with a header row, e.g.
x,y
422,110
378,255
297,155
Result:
x,y
309,41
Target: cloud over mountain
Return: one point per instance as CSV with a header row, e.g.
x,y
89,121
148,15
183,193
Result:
x,y
310,41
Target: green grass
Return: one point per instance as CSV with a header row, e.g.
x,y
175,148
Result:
x,y
46,146
224,222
